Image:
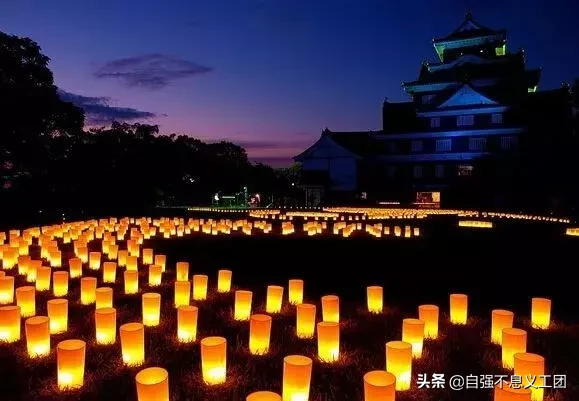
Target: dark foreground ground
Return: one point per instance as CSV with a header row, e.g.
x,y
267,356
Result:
x,y
499,268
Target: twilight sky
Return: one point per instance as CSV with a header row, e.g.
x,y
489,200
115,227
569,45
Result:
x,y
267,74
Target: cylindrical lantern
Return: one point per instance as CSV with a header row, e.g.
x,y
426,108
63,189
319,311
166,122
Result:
x,y
147,256
182,293
160,260
297,374
540,313
182,271
122,257
242,309
57,310
514,340
104,297
75,267
70,356
458,308
505,392
500,319
82,254
187,316
274,299
131,281
94,260
105,325
26,299
151,309
132,263
32,269
109,272
259,334
60,283
375,296
413,333
263,396
214,360
328,341
399,363
155,275
6,290
88,287
200,287
531,369
296,292
379,385
429,315
133,343
37,331
224,280
9,323
152,384
331,308
43,276
305,320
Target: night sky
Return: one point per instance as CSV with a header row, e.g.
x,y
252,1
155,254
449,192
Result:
x,y
267,74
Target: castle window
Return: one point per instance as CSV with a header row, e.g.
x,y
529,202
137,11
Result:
x,y
416,146
439,170
501,50
435,122
477,143
464,170
464,120
497,118
417,171
508,142
443,145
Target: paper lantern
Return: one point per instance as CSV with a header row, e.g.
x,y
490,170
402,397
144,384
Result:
x,y
37,330
224,280
297,374
6,290
132,263
82,254
296,292
182,271
214,360
531,369
104,297
155,275
9,323
200,287
514,341
131,281
2,273
331,308
56,258
70,357
133,343
540,313
60,283
375,296
182,293
94,260
23,264
399,363
109,272
413,333
43,276
10,257
263,396
161,260
274,299
429,315
75,267
113,251
187,323
151,309
105,325
458,308
242,309
259,334
147,256
88,287
505,392
379,385
305,320
26,299
122,257
500,319
32,269
152,384
328,341
57,311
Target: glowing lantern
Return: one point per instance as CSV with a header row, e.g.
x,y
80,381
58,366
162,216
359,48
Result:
x,y
200,287
37,331
94,260
514,341
500,319
305,320
26,299
60,283
182,271
132,263
9,323
57,311
505,392
6,290
259,334
106,325
458,308
375,295
122,257
70,356
297,374
399,363
2,274
10,257
113,251
242,309
413,333
214,360
329,341
56,258
109,272
224,280
161,260
429,315
155,275
540,313
152,384
32,268
263,396
147,256
187,323
131,281
75,267
23,263
82,254
88,287
379,385
331,308
296,292
133,343
531,369
103,297
151,309
182,293
274,299
43,275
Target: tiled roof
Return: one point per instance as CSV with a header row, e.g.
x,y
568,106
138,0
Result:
x,y
469,28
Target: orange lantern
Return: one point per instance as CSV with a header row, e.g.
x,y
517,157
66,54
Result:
x,y
274,299
375,295
458,308
23,263
296,292
155,275
104,297
75,267
26,299
70,357
297,374
413,333
82,253
500,319
151,309
514,341
122,257
263,396
214,360
182,293
331,308
182,271
259,334
37,331
132,263
328,341
57,310
161,260
152,384
147,256
9,323
429,315
60,283
187,323
242,309
56,258
505,392
531,369
88,287
399,363
2,273
106,325
32,268
94,260
379,385
131,281
6,290
305,320
200,287
133,343
109,272
224,280
43,275
540,313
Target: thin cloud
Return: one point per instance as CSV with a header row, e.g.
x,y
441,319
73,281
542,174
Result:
x,y
256,144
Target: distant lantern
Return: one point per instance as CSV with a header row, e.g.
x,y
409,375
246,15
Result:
x,y
263,396
540,313
224,280
43,278
37,331
60,283
504,391
109,272
413,333
514,341
152,384
297,374
160,260
132,263
147,256
429,315
187,317
200,287
375,296
133,343
151,308
328,341
331,308
274,299
105,325
70,359
500,319
458,308
182,271
214,360
131,281
104,297
531,369
32,269
6,290
182,293
155,275
82,254
242,308
57,311
75,267
94,260
88,287
259,334
296,292
379,385
9,323
399,363
305,320
122,257
26,299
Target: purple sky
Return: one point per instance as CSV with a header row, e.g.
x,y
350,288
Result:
x,y
267,74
